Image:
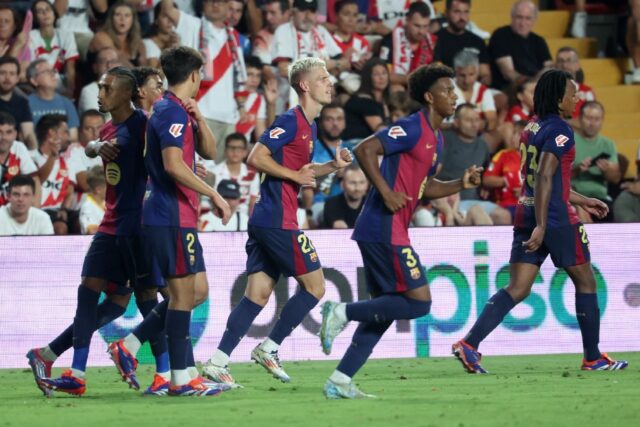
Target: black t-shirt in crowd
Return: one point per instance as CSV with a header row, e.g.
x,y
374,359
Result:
x,y
528,54
18,107
356,109
449,45
336,208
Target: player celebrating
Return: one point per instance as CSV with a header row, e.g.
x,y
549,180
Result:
x,y
276,245
547,224
175,131
109,259
395,276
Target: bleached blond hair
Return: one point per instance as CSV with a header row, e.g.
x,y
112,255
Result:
x,y
300,68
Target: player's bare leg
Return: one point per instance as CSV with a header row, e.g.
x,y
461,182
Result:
x,y
466,350
259,288
588,315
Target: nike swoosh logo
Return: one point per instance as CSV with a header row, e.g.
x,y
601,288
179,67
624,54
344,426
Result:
x,y
429,146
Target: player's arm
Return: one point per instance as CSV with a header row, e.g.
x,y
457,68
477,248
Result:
x,y
367,153
342,159
206,140
548,164
436,189
261,159
178,170
595,207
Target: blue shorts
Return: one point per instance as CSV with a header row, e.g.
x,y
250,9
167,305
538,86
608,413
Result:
x,y
391,269
275,251
174,251
122,260
567,245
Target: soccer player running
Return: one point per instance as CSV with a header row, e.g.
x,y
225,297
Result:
x,y
175,132
395,277
276,245
547,224
115,254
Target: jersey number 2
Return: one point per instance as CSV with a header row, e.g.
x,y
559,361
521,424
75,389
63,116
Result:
x,y
191,239
305,244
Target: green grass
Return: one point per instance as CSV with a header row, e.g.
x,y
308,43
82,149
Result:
x,y
521,391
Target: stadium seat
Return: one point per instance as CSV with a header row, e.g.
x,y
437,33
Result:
x,y
592,8
586,47
619,99
629,148
603,72
550,23
485,6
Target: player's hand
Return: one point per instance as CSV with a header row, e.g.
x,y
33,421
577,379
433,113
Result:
x,y
472,177
221,208
306,176
108,150
343,158
201,171
632,187
535,241
191,105
595,207
395,200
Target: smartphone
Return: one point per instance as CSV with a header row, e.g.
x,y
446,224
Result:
x,y
600,156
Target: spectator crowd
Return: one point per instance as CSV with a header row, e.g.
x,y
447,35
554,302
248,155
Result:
x,y
53,52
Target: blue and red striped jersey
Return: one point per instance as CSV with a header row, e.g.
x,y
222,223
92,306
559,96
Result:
x,y
169,203
411,152
290,140
553,135
126,176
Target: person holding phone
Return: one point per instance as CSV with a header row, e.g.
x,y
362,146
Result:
x,y
596,162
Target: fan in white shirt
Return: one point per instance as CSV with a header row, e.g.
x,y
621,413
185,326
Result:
x,y
233,168
230,191
19,217
92,209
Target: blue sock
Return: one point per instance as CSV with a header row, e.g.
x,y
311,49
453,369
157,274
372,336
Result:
x,y
191,361
83,326
292,314
107,311
177,328
153,323
238,323
364,340
588,315
386,308
158,342
492,315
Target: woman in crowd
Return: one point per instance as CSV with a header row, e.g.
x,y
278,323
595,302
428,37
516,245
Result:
x,y
121,31
56,45
367,110
160,36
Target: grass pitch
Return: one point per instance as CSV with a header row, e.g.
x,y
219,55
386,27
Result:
x,y
520,391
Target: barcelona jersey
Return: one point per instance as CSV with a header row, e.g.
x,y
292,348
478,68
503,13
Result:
x,y
411,153
290,140
170,203
553,135
126,176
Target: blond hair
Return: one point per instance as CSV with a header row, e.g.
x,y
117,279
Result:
x,y
300,68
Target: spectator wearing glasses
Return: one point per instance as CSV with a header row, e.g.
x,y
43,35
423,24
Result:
x,y
44,100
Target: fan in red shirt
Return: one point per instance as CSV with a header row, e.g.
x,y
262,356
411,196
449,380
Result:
x,y
503,174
